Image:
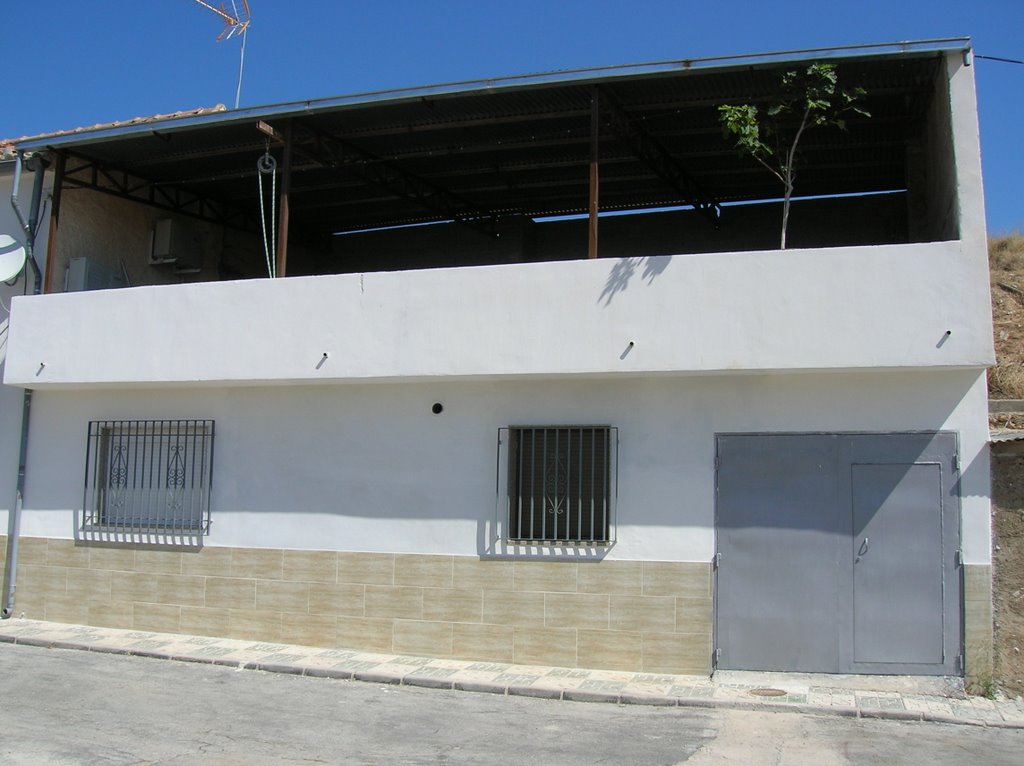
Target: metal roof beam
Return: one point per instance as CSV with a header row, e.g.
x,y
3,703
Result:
x,y
461,123
657,157
190,155
90,174
390,176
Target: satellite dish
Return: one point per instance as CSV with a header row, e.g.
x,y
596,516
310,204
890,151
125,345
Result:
x,y
12,258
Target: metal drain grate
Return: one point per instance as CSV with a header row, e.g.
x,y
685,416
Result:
x,y
764,692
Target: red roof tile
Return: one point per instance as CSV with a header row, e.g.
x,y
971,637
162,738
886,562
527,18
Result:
x,y
7,145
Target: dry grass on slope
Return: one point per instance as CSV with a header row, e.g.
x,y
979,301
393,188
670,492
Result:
x,y
1006,267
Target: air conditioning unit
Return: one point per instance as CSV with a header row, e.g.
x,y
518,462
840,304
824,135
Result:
x,y
88,274
172,243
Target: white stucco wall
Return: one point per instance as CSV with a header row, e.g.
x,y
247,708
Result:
x,y
366,466
967,154
369,467
838,308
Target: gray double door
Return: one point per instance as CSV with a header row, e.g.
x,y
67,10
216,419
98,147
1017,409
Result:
x,y
838,553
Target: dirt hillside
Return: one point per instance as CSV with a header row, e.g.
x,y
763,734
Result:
x,y
1006,266
1006,381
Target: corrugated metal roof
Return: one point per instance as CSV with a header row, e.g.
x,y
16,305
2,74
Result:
x,y
494,84
520,145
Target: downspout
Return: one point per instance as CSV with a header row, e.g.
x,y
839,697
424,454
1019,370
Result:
x,y
31,228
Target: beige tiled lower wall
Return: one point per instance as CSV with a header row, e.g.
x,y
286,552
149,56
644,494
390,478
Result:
x,y
978,626
623,615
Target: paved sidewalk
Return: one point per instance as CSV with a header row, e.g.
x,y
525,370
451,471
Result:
x,y
794,692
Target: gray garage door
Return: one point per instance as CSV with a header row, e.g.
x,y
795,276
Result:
x,y
838,553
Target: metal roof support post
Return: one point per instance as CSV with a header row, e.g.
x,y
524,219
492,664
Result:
x,y
595,132
51,240
286,182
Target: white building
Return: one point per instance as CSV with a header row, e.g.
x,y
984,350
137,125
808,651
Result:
x,y
469,439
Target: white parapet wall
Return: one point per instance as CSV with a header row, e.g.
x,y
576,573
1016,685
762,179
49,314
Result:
x,y
892,306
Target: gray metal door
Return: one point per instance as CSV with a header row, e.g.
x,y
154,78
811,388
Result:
x,y
837,553
897,567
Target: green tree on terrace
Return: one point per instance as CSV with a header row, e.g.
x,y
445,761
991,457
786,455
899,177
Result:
x,y
807,99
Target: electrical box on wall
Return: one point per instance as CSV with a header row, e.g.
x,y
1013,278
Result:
x,y
172,243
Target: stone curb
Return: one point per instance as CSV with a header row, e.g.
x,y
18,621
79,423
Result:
x,y
657,700
334,673
30,641
585,695
229,664
376,678
1002,725
479,687
893,715
427,682
534,691
518,690
838,710
271,667
109,650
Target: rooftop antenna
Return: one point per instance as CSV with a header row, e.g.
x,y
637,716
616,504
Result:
x,y
235,24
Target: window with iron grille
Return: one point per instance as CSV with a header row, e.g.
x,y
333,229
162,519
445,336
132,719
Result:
x,y
149,475
560,483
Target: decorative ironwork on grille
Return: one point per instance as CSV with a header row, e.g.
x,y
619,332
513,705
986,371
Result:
x,y
148,475
560,483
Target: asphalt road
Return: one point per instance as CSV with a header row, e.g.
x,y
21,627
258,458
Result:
x,y
71,707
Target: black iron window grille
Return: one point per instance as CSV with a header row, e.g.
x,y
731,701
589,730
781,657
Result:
x,y
561,483
148,475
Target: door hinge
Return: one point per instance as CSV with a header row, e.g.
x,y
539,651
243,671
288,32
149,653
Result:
x,y
716,562
960,663
717,462
716,657
956,462
959,557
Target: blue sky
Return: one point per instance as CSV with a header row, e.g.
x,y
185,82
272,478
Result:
x,y
71,63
